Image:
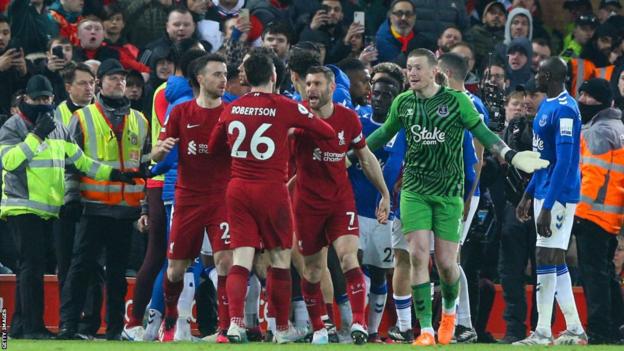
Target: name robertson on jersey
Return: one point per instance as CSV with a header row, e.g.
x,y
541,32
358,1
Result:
x,y
254,111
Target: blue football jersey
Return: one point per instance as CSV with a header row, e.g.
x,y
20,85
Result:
x,y
469,150
557,122
366,196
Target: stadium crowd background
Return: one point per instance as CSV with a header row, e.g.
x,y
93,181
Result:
x,y
503,42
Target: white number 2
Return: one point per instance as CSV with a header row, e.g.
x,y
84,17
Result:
x,y
257,139
225,227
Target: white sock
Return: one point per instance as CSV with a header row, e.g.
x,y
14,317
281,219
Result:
x,y
272,324
185,303
252,301
300,312
463,301
376,306
346,315
565,299
545,296
403,305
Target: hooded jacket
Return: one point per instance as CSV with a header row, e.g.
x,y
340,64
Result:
x,y
524,74
178,91
515,12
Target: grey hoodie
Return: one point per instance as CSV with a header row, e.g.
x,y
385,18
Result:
x,y
510,17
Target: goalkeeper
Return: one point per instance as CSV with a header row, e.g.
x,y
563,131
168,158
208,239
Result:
x,y
434,118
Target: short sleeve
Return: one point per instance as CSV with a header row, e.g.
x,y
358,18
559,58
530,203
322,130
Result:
x,y
171,128
564,125
358,140
470,117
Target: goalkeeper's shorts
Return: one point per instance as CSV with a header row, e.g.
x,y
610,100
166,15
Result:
x,y
441,214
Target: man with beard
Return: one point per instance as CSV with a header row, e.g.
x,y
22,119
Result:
x,y
556,136
13,69
324,205
359,84
448,38
376,238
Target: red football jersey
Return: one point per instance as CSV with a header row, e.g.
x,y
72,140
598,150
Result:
x,y
322,177
199,172
255,127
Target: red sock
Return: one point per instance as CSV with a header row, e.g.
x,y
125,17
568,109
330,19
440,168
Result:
x,y
222,305
357,295
267,288
279,295
329,307
172,295
236,289
314,302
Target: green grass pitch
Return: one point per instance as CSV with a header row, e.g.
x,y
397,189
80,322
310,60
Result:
x,y
123,346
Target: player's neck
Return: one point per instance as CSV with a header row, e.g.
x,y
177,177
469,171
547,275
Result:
x,y
554,91
428,91
206,101
325,111
455,85
267,89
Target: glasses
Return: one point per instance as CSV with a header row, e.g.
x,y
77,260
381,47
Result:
x,y
400,14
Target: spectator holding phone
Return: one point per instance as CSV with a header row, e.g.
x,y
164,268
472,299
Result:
x,y
13,70
328,28
58,55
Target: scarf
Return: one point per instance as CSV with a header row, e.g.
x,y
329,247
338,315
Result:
x,y
404,40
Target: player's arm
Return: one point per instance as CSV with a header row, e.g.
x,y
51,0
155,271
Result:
x,y
167,163
372,171
390,127
218,137
304,119
527,161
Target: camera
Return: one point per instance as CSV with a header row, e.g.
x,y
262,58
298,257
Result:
x,y
494,100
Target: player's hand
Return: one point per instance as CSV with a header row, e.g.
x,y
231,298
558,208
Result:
x,y
166,145
347,162
383,210
523,209
543,223
143,224
467,208
528,161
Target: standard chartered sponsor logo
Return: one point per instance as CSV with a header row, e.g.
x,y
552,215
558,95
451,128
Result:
x,y
423,135
326,156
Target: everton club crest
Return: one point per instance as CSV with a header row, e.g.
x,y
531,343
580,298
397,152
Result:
x,y
443,111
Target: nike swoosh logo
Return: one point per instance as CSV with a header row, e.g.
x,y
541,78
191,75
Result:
x,y
352,228
189,126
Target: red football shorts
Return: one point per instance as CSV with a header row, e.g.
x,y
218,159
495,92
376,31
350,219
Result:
x,y
317,228
260,215
189,222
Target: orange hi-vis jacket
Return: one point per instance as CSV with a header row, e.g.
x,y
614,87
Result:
x,y
582,70
602,171
101,144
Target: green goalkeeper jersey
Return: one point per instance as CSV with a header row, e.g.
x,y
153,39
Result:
x,y
434,131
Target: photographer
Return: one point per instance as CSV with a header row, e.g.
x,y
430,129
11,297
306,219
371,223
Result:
x,y
328,28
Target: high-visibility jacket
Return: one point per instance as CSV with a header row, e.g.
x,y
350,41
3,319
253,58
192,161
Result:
x,y
33,170
604,72
159,109
602,171
100,143
63,113
582,70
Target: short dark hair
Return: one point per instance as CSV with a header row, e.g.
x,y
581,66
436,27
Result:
x,y
197,66
134,78
390,81
464,44
391,69
4,19
179,9
186,60
280,67
449,27
279,28
428,54
111,10
69,74
258,69
541,42
394,2
455,63
327,72
60,40
180,48
300,60
351,65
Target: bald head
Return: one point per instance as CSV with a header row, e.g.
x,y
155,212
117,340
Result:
x,y
556,68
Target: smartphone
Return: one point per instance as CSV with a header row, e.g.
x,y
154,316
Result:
x,y
325,8
244,14
15,43
58,52
358,17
